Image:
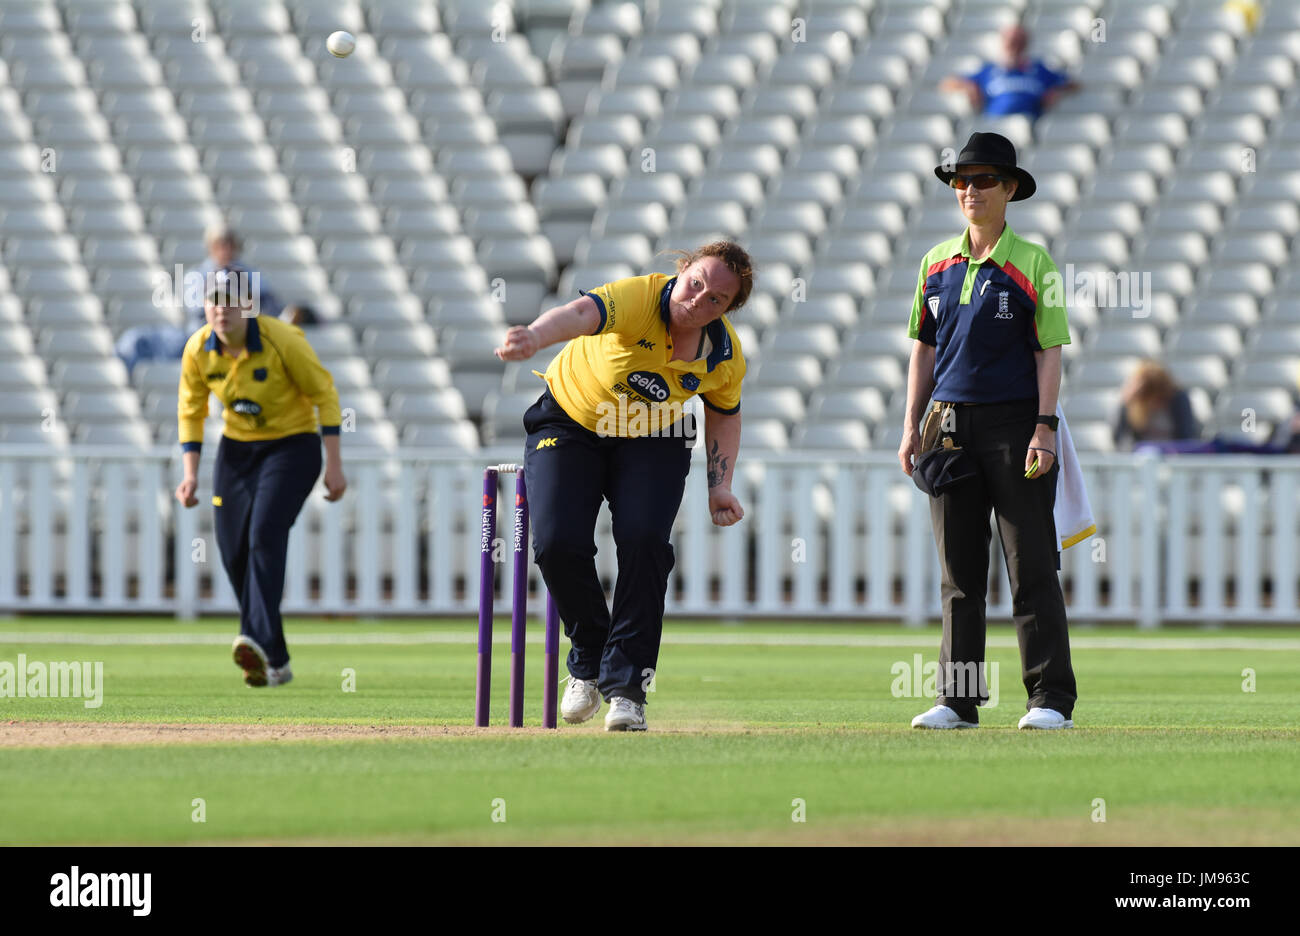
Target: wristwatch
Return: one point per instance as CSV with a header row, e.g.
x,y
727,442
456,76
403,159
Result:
x,y
1050,422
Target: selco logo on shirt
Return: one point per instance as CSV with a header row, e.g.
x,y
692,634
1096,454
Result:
x,y
649,385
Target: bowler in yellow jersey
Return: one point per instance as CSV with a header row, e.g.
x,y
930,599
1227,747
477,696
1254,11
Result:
x,y
610,426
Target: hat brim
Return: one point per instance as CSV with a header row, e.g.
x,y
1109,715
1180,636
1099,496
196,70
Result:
x,y
1025,184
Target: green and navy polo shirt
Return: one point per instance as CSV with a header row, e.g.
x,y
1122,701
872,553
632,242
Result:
x,y
987,319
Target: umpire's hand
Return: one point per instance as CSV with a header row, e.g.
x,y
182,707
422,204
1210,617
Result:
x,y
724,507
909,448
1042,448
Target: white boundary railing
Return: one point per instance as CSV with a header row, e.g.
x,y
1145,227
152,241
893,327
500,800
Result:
x,y
1187,538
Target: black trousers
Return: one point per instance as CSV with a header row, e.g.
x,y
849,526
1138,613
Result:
x,y
570,470
262,487
995,437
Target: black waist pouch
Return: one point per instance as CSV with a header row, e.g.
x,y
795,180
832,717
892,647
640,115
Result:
x,y
942,468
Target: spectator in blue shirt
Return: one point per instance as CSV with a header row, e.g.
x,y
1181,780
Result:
x,y
1017,85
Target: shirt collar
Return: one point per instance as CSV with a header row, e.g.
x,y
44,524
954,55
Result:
x,y
252,340
717,332
1001,250
665,313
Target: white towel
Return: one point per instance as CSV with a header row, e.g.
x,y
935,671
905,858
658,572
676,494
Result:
x,y
1073,514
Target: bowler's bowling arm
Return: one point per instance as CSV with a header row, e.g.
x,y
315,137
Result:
x,y
571,320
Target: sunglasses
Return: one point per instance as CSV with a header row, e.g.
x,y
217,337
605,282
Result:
x,y
981,180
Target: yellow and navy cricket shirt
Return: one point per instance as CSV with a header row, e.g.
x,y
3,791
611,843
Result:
x,y
987,319
271,390
627,359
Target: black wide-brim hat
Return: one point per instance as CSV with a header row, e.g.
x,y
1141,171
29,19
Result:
x,y
991,149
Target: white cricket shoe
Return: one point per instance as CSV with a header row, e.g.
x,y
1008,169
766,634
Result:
x,y
251,658
1045,718
581,700
279,675
625,715
941,717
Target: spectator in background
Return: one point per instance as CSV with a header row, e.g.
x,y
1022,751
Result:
x,y
300,315
224,246
1153,408
150,343
1016,85
167,342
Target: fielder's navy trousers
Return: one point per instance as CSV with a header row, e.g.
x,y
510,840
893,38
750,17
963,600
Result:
x,y
570,470
262,487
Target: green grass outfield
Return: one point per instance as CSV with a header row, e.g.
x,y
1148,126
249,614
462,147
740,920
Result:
x,y
747,723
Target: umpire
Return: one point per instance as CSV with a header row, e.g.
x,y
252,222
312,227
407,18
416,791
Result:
x,y
610,426
989,320
270,383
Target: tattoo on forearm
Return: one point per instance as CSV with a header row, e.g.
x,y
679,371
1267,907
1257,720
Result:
x,y
717,466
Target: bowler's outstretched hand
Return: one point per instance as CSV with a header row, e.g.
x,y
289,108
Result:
x,y
521,343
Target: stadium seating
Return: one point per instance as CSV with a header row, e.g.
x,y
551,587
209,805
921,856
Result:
x,y
472,164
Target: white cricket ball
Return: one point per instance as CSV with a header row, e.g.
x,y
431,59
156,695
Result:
x,y
341,44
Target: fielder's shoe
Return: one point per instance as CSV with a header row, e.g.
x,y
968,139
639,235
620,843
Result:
x,y
941,717
625,715
581,700
278,675
251,659
1045,718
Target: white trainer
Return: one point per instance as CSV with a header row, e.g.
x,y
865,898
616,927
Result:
x,y
251,658
581,700
278,675
941,717
625,715
1045,718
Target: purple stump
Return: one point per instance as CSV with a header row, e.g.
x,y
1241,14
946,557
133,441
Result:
x,y
519,611
486,580
550,688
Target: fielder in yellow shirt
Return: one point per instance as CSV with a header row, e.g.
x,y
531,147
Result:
x,y
270,384
610,426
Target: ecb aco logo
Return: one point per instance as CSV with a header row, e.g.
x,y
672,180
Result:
x,y
1004,311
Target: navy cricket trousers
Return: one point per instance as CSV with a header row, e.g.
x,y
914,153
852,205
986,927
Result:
x,y
261,487
570,471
